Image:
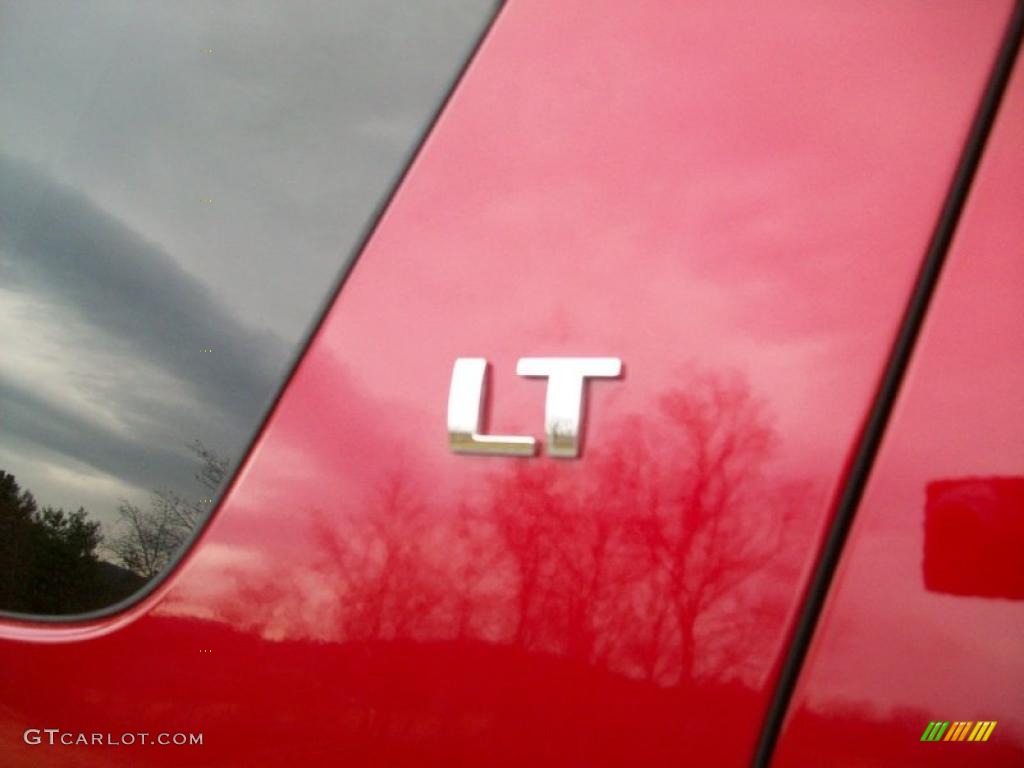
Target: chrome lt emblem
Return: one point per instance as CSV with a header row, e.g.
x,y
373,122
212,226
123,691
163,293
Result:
x,y
563,406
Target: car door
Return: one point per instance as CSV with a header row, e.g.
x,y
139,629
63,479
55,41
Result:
x,y
737,212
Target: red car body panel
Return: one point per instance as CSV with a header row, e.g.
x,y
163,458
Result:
x,y
736,202
924,620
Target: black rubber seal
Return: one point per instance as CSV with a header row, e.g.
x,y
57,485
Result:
x,y
899,357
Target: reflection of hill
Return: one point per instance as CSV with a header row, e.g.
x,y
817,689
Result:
x,y
114,584
393,703
855,736
601,612
606,612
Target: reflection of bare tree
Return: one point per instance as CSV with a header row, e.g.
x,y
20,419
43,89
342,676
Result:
x,y
380,563
594,612
707,539
149,539
640,560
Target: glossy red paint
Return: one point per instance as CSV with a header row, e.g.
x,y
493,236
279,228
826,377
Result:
x,y
734,202
924,621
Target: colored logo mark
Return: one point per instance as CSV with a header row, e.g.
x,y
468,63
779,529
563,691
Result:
x,y
970,730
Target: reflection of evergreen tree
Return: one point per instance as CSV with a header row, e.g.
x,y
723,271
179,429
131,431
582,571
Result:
x,y
48,561
17,509
64,569
48,557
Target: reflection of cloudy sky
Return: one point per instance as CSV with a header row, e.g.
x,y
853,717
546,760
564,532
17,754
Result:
x,y
114,275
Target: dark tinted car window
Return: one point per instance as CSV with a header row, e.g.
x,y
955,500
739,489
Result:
x,y
181,185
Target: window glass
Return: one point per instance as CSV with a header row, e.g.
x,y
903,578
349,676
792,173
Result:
x,y
181,185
